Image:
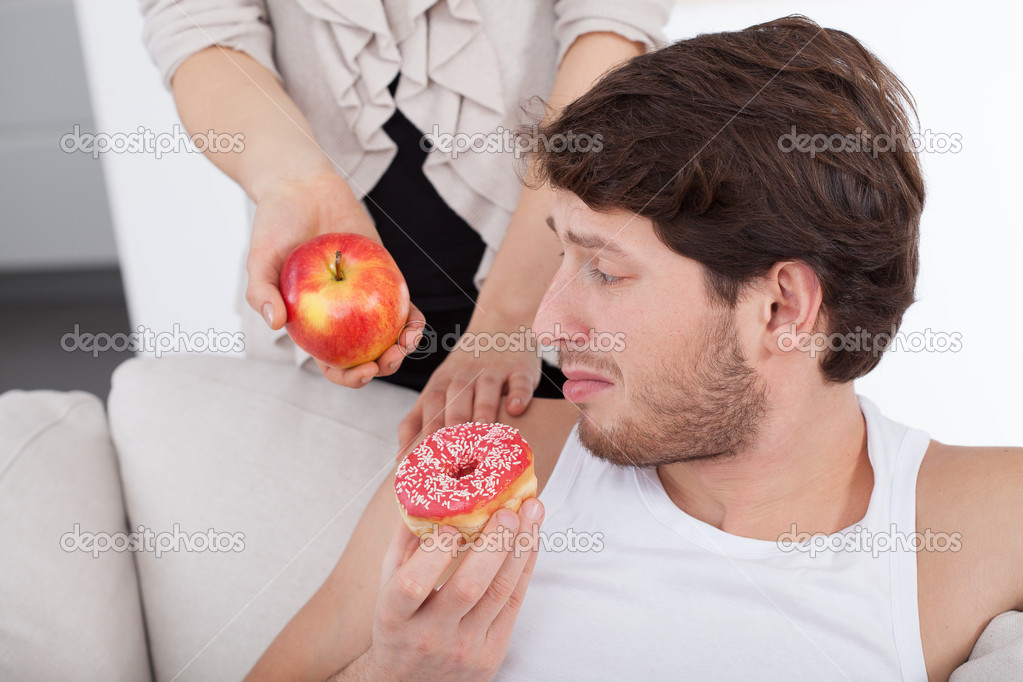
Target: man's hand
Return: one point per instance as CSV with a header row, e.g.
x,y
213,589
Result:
x,y
288,214
462,630
469,386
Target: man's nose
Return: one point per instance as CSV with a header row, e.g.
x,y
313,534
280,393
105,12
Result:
x,y
559,316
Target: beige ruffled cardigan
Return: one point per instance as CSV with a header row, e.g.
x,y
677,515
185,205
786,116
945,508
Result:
x,y
466,67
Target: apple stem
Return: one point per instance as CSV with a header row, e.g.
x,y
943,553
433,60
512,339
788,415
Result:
x,y
338,275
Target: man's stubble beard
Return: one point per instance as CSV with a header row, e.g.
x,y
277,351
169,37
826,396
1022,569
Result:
x,y
708,405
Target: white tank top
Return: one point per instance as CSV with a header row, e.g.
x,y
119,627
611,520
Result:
x,y
628,586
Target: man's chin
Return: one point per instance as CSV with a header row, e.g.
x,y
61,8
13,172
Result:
x,y
597,416
598,438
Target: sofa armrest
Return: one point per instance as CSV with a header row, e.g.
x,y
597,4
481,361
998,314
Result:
x,y
998,653
66,613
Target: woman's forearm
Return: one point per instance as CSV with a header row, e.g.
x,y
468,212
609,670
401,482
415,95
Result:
x,y
229,92
528,256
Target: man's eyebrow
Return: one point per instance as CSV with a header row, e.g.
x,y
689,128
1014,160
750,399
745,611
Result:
x,y
587,241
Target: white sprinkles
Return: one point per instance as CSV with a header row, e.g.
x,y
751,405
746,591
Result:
x,y
425,482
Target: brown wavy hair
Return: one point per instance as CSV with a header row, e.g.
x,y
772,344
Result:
x,y
692,136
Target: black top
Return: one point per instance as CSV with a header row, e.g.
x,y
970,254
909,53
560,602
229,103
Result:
x,y
437,251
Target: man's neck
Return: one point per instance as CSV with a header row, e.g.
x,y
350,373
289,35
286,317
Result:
x,y
809,467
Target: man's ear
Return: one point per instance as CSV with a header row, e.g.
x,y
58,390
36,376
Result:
x,y
793,294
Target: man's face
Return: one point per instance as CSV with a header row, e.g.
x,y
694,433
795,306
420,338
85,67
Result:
x,y
655,365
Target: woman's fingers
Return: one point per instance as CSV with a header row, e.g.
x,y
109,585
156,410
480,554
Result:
x,y
390,361
411,426
434,403
353,377
413,330
408,338
458,408
487,396
520,392
263,293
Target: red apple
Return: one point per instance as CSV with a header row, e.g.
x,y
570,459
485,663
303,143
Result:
x,y
346,298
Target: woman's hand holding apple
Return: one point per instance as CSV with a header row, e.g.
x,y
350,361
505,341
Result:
x,y
291,212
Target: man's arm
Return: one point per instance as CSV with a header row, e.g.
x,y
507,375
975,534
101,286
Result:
x,y
978,492
334,628
970,505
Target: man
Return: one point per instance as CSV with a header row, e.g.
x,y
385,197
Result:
x,y
714,441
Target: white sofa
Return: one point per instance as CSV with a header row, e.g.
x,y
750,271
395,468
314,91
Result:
x,y
260,448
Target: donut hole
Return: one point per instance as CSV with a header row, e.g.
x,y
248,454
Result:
x,y
465,471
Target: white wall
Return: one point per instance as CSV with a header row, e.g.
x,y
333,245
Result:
x,y
180,224
181,229
54,207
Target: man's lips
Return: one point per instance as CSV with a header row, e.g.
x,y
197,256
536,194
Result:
x,y
573,374
582,384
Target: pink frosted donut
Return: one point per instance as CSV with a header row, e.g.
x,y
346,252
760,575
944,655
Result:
x,y
462,474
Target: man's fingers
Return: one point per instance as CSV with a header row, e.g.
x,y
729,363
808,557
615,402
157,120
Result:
x,y
519,548
403,545
475,575
413,582
504,620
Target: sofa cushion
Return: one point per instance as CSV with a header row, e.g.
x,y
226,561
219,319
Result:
x,y
998,654
275,462
68,612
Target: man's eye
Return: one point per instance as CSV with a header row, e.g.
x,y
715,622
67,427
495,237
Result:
x,y
604,278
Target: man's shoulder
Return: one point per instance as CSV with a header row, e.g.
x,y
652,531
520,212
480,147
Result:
x,y
545,425
977,485
976,493
971,478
